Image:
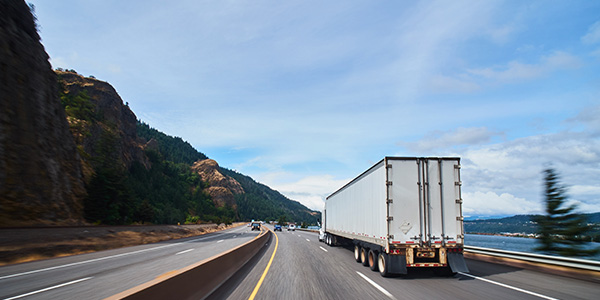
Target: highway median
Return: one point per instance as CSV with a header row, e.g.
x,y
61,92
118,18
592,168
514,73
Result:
x,y
199,280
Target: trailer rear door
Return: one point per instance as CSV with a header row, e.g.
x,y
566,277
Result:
x,y
424,201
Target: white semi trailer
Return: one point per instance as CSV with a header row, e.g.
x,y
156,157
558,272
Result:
x,y
403,212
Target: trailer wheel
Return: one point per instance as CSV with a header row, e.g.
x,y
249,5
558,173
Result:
x,y
373,264
328,240
357,253
364,253
382,263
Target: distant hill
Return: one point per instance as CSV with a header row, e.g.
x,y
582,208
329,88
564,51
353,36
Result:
x,y
519,224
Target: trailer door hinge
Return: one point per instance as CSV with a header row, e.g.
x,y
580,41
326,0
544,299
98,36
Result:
x,y
459,183
390,237
457,166
388,183
388,201
390,218
389,166
459,218
459,201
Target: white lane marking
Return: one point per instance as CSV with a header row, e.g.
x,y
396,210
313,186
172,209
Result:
x,y
184,251
508,286
377,286
104,258
219,241
234,236
307,240
323,249
49,288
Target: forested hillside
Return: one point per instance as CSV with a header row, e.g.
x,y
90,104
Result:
x,y
174,149
261,202
137,174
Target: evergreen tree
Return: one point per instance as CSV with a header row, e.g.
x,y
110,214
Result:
x,y
561,230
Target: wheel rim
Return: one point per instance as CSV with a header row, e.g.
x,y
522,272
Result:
x,y
356,253
381,263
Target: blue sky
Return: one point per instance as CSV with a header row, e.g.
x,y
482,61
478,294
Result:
x,y
305,95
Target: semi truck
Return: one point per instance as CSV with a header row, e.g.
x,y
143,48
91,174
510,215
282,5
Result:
x,y
400,214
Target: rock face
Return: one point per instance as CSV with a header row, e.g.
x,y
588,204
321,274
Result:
x,y
40,174
111,118
222,188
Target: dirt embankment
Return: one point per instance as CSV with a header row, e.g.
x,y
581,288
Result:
x,y
28,244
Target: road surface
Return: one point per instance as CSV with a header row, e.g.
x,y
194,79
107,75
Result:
x,y
304,268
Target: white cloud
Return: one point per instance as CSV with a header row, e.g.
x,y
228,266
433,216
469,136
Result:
x,y
590,118
451,139
475,79
492,204
593,34
506,177
515,168
310,191
515,71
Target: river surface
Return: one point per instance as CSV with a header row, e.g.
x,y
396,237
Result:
x,y
514,243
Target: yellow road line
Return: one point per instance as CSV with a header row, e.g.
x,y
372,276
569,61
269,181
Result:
x,y
257,287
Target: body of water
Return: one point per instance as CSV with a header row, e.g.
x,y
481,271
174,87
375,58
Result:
x,y
514,243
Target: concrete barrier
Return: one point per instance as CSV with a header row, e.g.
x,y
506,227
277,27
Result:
x,y
198,280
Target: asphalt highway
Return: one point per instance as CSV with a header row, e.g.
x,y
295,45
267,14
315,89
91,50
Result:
x,y
105,273
293,265
304,268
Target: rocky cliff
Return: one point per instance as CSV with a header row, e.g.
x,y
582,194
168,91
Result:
x,y
221,187
40,174
110,121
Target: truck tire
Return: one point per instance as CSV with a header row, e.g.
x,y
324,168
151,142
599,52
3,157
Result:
x,y
357,253
364,256
382,264
373,264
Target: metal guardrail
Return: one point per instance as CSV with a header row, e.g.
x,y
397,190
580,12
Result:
x,y
584,264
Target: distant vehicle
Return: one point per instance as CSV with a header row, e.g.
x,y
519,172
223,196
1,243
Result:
x,y
255,225
291,227
277,227
400,214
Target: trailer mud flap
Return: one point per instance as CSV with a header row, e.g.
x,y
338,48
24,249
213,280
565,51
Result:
x,y
397,264
457,262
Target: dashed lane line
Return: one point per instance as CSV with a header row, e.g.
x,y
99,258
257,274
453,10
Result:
x,y
49,288
377,286
184,251
508,286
